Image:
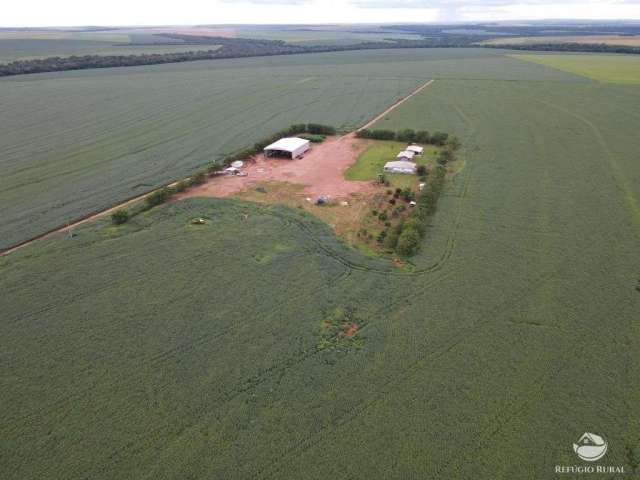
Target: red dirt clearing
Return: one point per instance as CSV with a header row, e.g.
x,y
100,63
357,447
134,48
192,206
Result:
x,y
321,171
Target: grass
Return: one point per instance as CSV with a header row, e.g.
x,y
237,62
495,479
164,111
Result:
x,y
371,163
163,349
623,69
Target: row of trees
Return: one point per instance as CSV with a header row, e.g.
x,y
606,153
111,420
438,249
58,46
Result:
x,y
411,136
570,47
225,48
405,237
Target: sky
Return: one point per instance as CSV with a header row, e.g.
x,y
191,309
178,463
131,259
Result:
x,y
38,13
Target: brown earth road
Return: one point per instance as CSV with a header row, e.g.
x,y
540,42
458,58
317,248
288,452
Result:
x,y
313,175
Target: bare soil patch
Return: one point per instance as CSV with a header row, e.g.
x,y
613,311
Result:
x,y
320,172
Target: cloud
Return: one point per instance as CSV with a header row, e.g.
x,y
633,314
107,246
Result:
x,y
425,4
270,2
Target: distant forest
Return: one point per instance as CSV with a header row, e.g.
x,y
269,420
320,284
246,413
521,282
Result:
x,y
449,36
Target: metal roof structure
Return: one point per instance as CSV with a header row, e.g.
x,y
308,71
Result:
x,y
290,144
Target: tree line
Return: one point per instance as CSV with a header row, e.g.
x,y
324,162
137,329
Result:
x,y
226,48
411,136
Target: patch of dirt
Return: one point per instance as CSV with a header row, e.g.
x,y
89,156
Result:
x,y
320,172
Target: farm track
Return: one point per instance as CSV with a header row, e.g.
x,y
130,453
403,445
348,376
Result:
x,y
616,174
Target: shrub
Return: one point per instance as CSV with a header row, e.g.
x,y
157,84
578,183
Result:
x,y
407,194
120,216
391,240
214,168
421,170
382,216
314,138
392,201
408,241
319,129
159,196
198,179
181,186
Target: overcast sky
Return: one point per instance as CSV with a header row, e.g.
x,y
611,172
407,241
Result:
x,y
190,12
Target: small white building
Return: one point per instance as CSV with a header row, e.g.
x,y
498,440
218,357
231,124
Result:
x,y
416,149
405,155
292,147
402,166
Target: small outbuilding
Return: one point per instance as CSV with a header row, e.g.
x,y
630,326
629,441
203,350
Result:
x,y
401,166
406,155
416,149
292,147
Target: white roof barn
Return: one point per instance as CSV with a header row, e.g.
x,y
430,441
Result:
x,y
415,149
407,155
292,147
401,166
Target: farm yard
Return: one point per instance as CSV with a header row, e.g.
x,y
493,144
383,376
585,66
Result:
x,y
257,344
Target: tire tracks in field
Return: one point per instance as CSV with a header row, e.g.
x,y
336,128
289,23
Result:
x,y
617,175
382,391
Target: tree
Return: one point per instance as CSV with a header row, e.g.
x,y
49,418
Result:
x,y
445,156
408,242
421,170
422,136
407,135
453,143
439,138
120,216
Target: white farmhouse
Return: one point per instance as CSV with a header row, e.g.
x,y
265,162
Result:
x,y
405,155
417,150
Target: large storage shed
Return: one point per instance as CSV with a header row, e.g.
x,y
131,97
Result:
x,y
288,147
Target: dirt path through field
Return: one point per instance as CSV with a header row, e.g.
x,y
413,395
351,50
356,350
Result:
x,y
321,171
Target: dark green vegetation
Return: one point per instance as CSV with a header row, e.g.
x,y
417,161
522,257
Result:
x,y
164,349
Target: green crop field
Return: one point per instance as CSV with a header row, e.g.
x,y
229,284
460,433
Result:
x,y
603,68
162,349
77,142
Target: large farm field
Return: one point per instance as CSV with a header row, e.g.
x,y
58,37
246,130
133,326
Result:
x,y
624,69
78,142
258,345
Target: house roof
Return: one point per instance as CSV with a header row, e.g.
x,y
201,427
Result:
x,y
415,149
400,165
406,154
290,144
